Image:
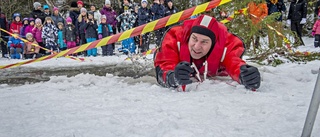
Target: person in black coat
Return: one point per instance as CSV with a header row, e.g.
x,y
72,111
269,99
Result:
x,y
37,13
170,9
3,25
317,7
144,16
297,17
74,12
157,11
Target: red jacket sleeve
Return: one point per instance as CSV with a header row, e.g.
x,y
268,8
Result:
x,y
232,60
167,56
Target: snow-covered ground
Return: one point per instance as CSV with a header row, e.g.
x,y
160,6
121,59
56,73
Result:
x,y
102,106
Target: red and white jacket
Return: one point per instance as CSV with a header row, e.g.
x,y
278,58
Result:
x,y
226,53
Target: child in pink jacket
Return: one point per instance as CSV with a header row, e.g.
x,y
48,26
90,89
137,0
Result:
x,y
316,32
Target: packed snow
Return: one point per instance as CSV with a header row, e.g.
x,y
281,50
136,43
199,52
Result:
x,y
105,106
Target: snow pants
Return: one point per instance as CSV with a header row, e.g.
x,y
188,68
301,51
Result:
x,y
107,50
93,51
15,53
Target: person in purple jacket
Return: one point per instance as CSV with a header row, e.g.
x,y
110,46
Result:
x,y
30,26
37,33
25,22
111,16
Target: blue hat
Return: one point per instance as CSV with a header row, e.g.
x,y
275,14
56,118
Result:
x,y
45,7
16,15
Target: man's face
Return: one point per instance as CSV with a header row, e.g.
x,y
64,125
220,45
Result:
x,y
144,4
80,6
46,10
170,4
199,45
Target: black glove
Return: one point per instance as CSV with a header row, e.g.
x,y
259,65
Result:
x,y
181,75
250,77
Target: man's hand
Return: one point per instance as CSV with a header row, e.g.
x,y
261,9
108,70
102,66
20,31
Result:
x,y
250,77
182,73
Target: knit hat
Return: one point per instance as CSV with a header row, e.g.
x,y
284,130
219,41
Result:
x,y
83,10
68,19
38,21
24,19
73,4
107,2
80,2
144,1
103,17
55,8
204,25
29,35
36,5
31,19
45,7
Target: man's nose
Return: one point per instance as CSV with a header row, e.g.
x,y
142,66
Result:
x,y
197,45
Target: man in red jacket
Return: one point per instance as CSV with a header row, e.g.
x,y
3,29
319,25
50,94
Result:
x,y
202,46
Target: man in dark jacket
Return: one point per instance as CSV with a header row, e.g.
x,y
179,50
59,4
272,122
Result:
x,y
37,13
170,9
157,11
144,16
316,11
297,18
3,25
74,12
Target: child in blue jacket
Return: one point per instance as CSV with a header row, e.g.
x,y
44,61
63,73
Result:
x,y
105,30
16,46
61,43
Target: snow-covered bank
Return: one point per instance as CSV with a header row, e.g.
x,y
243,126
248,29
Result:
x,y
89,105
